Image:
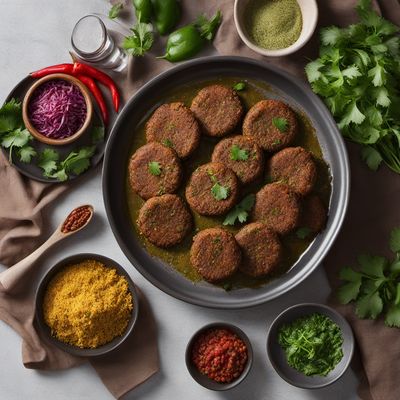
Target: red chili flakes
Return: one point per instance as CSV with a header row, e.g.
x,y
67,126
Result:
x,y
76,219
220,354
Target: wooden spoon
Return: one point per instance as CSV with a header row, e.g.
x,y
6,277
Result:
x,y
12,274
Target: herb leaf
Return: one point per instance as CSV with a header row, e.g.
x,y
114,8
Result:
x,y
239,86
26,153
115,10
97,134
167,142
48,159
154,168
220,192
140,41
280,123
78,161
208,27
357,63
11,116
241,211
238,154
376,288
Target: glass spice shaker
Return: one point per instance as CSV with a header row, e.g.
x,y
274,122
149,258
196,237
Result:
x,y
93,44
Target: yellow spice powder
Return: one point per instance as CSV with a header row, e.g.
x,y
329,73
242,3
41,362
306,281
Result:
x,y
87,304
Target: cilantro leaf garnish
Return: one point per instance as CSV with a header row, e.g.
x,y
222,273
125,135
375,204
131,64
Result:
x,y
375,285
220,192
239,86
241,211
11,116
238,154
167,142
140,41
115,10
154,168
280,123
357,63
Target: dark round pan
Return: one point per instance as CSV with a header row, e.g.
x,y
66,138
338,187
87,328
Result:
x,y
286,87
77,351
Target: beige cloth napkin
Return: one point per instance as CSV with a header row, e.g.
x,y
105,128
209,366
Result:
x,y
372,214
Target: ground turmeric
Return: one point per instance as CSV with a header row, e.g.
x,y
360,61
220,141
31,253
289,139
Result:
x,y
87,304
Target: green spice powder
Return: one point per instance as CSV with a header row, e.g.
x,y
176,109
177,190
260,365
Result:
x,y
273,24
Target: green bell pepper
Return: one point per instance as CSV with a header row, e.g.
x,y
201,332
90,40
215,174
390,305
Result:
x,y
187,41
183,44
143,10
167,14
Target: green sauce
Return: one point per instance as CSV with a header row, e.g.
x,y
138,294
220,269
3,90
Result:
x,y
273,24
178,257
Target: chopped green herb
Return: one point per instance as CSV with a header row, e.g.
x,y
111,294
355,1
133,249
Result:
x,y
303,233
238,154
280,123
220,192
11,116
239,86
115,10
167,142
375,285
140,41
354,75
155,168
241,211
312,344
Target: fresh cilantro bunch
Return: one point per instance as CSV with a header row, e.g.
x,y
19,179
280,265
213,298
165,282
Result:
x,y
13,135
375,285
312,344
358,75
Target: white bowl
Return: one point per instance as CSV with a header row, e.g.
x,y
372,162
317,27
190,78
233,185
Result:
x,y
309,11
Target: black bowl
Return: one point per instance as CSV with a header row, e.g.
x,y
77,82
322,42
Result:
x,y
205,381
145,101
278,358
77,351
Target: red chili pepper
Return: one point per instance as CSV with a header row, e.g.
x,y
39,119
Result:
x,y
54,69
96,92
77,69
84,69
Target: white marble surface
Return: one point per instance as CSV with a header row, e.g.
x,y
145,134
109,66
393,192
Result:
x,y
35,33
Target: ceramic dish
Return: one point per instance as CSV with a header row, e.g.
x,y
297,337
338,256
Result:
x,y
89,106
139,107
204,380
277,356
309,11
42,326
31,170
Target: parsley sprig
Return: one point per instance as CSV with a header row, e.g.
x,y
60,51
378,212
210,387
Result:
x,y
356,75
375,285
280,123
241,211
140,41
115,10
238,154
154,168
219,192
